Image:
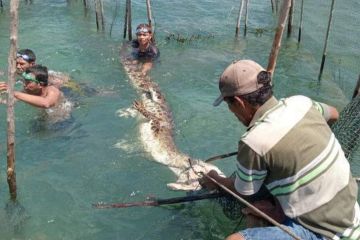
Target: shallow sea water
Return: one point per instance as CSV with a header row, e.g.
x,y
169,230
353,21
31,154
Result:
x,y
97,155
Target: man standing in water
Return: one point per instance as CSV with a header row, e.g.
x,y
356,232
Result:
x,y
144,50
290,149
36,90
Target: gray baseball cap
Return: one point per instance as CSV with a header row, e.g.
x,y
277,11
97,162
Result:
x,y
239,78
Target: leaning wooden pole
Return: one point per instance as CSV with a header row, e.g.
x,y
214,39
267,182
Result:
x,y
126,18
11,176
301,20
239,18
129,20
246,16
326,40
278,36
149,14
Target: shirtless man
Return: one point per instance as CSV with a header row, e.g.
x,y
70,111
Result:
x,y
36,92
26,58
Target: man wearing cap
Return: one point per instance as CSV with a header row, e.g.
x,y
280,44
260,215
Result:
x,y
36,90
288,148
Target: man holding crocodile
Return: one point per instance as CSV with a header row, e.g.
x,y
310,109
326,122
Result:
x,y
290,149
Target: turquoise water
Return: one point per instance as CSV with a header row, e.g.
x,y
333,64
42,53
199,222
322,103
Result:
x,y
98,156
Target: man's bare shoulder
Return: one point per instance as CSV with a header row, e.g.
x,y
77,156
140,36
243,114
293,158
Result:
x,y
58,79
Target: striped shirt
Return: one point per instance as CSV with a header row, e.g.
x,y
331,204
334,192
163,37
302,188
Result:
x,y
290,148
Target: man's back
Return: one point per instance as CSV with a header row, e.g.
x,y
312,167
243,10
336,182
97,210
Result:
x,y
305,168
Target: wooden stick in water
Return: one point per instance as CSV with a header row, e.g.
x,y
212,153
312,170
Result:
x,y
11,176
272,5
150,19
326,40
290,18
246,16
221,156
159,202
278,36
239,18
126,19
301,20
129,20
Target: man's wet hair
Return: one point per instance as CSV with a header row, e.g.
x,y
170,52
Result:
x,y
40,72
26,54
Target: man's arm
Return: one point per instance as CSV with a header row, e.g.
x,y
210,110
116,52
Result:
x,y
38,101
330,113
208,184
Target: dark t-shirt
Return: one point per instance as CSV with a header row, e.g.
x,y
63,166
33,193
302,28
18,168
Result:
x,y
151,53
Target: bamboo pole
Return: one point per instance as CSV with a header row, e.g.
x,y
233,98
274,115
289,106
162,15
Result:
x,y
301,20
239,18
129,21
246,16
326,40
11,176
290,18
278,36
126,18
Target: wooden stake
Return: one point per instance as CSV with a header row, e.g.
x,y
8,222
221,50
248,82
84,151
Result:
x,y
99,13
129,21
272,5
246,16
239,18
278,36
326,40
301,20
290,18
126,18
11,176
149,15
150,19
